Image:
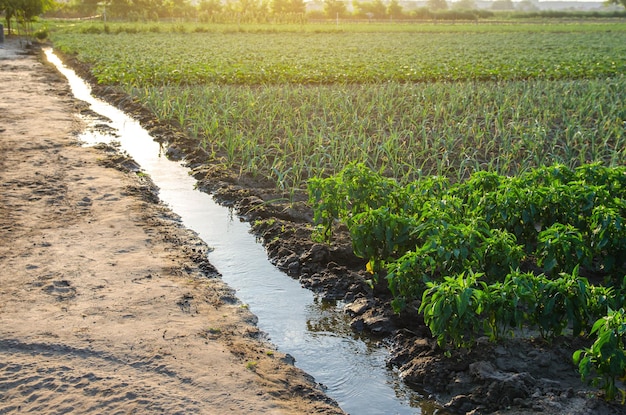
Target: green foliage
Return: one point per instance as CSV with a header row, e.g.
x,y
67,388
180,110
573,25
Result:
x,y
498,254
367,190
439,249
407,277
500,305
605,361
356,189
451,246
608,235
380,235
41,34
562,247
553,304
240,58
450,309
331,201
435,240
521,299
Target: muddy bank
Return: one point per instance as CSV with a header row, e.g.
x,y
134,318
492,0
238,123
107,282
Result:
x,y
517,376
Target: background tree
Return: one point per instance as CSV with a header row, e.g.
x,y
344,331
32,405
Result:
x,y
279,7
149,9
622,2
85,7
334,8
297,6
208,9
437,5
176,8
8,8
394,10
24,11
210,6
249,11
373,10
120,8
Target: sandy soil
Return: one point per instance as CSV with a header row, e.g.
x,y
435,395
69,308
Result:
x,y
107,304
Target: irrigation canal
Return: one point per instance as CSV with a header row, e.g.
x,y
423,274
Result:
x,y
316,333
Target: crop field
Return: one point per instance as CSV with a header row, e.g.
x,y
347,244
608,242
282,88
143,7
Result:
x,y
479,168
293,105
154,59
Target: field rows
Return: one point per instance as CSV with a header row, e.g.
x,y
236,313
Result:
x,y
292,105
329,58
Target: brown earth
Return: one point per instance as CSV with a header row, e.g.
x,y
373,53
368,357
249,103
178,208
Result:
x,y
520,376
107,304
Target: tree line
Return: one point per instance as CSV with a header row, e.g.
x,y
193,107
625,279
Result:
x,y
258,11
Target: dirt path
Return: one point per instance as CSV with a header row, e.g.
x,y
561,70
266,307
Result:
x,y
107,304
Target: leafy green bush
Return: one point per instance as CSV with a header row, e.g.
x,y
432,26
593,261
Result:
x,y
608,236
451,311
454,305
499,254
562,248
432,239
605,361
500,305
41,34
381,236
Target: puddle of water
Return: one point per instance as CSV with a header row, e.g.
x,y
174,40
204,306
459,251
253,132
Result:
x,y
316,333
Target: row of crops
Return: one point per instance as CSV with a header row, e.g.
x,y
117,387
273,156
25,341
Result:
x,y
331,58
494,254
366,110
436,241
479,168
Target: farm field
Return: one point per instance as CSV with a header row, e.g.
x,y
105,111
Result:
x,y
467,163
261,102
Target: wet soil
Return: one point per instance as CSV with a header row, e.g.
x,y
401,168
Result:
x,y
523,375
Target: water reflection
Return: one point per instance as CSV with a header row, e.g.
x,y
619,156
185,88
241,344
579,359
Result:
x,y
323,318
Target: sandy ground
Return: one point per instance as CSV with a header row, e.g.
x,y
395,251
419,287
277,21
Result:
x,y
107,304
